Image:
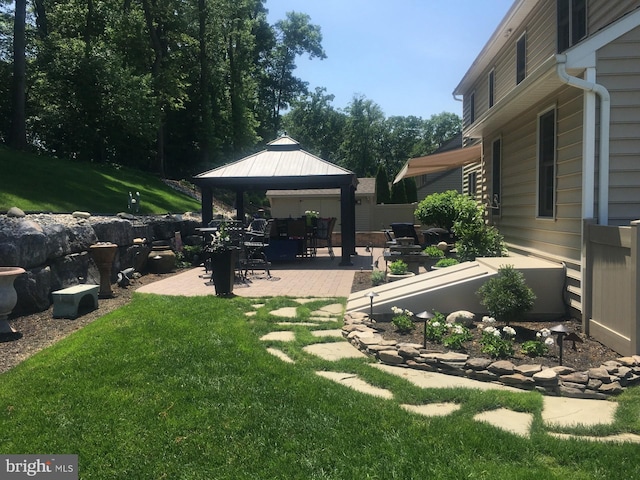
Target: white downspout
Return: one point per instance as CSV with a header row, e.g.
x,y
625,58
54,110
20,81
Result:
x,y
605,116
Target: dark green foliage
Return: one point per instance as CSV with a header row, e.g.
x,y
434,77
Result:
x,y
383,195
377,277
507,296
398,193
446,262
443,209
411,189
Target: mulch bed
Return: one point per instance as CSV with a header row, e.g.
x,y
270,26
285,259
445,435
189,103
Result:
x,y
589,354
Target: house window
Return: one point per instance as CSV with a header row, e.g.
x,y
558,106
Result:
x,y
496,161
491,83
521,58
472,183
546,163
472,108
572,22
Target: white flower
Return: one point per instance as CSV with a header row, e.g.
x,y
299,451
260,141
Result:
x,y
408,312
435,324
487,319
545,332
457,329
549,341
396,310
490,330
496,333
509,331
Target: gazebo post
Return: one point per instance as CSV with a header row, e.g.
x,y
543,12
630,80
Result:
x,y
347,229
207,205
240,204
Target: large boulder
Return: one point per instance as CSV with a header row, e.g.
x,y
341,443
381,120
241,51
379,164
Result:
x,y
73,269
33,288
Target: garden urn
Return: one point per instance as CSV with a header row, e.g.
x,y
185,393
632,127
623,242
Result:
x,y
8,295
103,254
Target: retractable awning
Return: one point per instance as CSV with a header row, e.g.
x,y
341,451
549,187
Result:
x,y
440,162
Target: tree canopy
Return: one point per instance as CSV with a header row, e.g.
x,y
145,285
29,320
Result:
x,y
178,87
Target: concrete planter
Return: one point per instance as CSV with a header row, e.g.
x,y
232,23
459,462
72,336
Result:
x,y
392,277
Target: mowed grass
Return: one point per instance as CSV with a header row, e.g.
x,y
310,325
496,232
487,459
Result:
x,y
45,184
183,388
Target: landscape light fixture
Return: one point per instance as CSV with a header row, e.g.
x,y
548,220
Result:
x,y
426,316
371,296
560,331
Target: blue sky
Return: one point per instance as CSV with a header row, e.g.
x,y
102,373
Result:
x,y
405,55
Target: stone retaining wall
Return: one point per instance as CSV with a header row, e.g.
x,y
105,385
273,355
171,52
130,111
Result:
x,y
54,248
596,383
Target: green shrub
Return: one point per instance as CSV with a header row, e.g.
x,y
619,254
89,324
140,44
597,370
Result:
x,y
447,262
458,334
496,344
402,320
507,296
398,267
477,239
436,328
433,251
443,209
377,277
191,255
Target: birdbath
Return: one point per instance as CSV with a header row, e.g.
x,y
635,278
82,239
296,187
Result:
x,y
103,254
8,296
425,316
560,331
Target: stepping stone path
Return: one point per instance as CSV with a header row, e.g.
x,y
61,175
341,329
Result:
x,y
557,411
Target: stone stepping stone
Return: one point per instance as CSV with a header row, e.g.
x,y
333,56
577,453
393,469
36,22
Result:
x,y
321,314
432,409
300,324
354,382
327,333
288,312
518,423
284,336
570,412
424,379
249,314
258,305
323,319
280,354
334,309
619,438
334,351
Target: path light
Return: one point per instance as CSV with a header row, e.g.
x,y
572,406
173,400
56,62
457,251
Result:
x,y
560,331
371,296
426,316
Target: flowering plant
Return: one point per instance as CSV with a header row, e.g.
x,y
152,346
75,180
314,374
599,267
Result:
x,y
496,343
458,334
402,319
539,347
436,328
312,214
222,240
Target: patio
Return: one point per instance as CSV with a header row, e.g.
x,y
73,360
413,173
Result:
x,y
317,277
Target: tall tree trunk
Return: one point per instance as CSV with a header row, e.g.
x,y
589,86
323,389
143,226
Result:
x,y
206,119
18,134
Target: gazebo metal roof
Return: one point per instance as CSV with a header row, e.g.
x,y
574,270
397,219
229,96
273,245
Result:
x,y
283,165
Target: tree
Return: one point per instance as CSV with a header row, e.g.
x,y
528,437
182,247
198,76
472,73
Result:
x,y
18,135
411,189
294,36
383,195
314,123
398,193
362,133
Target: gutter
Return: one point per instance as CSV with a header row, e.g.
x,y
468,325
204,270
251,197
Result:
x,y
589,163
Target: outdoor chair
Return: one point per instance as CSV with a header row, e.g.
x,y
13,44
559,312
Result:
x,y
405,230
253,255
325,231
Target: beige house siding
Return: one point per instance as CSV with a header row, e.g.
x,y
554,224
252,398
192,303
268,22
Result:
x,y
602,13
619,71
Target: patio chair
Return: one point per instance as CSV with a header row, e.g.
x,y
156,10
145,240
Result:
x,y
325,231
253,254
405,230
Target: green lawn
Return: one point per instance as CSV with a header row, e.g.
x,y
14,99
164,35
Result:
x,y
46,184
183,388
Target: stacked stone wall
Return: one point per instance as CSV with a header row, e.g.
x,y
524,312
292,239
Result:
x,y
54,248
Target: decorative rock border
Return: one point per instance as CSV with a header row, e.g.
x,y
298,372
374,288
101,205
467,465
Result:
x,y
610,379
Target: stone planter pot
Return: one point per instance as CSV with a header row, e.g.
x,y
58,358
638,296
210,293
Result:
x,y
392,277
103,254
161,259
8,295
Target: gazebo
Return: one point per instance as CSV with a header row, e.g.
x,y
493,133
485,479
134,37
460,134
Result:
x,y
283,165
